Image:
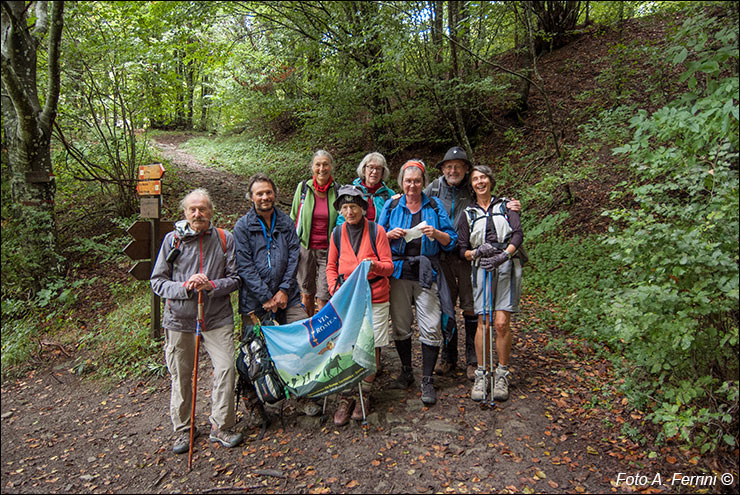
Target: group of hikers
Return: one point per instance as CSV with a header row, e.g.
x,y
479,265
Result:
x,y
429,246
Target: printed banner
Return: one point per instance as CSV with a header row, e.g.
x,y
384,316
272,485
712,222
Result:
x,y
333,350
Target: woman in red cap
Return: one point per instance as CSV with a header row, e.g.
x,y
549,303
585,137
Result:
x,y
418,230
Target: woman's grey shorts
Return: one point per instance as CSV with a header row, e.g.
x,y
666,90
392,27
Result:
x,y
508,287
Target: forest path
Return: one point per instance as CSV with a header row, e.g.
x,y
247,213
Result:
x,y
558,432
227,189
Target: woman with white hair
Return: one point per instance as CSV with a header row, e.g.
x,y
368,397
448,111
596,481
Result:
x,y
315,218
371,175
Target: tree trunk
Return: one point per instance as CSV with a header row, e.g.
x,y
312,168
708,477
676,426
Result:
x,y
27,125
526,63
437,26
369,55
179,119
190,69
554,20
205,93
455,75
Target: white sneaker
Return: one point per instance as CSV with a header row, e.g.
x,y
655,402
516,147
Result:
x,y
501,385
478,393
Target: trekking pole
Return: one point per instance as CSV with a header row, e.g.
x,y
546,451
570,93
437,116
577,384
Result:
x,y
485,330
198,329
492,312
362,404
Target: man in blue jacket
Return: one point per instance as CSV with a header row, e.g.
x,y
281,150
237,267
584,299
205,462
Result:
x,y
267,250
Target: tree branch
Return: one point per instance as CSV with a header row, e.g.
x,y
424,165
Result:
x,y
539,88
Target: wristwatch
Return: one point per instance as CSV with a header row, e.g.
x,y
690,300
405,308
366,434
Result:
x,y
508,254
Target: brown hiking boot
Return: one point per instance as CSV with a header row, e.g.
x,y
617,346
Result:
x,y
357,412
341,417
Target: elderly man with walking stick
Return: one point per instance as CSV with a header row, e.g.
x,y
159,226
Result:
x,y
196,263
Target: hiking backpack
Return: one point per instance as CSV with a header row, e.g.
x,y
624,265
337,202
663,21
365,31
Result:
x,y
175,245
256,370
432,200
503,230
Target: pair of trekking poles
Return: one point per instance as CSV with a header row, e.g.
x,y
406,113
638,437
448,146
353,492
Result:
x,y
489,311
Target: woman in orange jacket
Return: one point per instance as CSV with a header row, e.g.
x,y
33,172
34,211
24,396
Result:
x,y
360,240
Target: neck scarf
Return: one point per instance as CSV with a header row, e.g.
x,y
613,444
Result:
x,y
374,189
325,187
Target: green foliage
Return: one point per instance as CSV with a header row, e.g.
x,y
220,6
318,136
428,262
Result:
x,y
17,341
121,346
105,248
245,154
25,254
25,320
661,289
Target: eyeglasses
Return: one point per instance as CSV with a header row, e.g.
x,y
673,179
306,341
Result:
x,y
373,169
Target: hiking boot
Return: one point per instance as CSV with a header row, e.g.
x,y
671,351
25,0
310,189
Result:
x,y
478,392
501,385
182,442
341,417
443,368
225,437
428,394
470,371
405,378
310,407
357,412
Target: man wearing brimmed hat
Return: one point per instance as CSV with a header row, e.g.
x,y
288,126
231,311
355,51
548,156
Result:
x,y
452,188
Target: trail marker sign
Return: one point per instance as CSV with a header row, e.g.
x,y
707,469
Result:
x,y
151,172
148,234
149,187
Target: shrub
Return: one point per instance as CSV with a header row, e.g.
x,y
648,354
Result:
x,y
677,309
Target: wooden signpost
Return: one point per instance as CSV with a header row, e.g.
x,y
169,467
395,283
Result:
x,y
148,234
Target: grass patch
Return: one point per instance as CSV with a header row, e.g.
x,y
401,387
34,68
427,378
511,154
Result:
x,y
120,347
246,155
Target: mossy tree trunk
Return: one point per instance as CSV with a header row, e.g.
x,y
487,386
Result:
x,y
26,124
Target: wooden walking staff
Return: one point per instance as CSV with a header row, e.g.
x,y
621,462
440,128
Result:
x,y
198,329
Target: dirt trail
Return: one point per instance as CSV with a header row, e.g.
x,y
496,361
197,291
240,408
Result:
x,y
559,431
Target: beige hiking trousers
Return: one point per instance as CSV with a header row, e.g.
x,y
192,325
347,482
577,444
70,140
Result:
x,y
180,356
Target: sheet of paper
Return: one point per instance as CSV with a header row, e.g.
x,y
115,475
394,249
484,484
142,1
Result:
x,y
415,232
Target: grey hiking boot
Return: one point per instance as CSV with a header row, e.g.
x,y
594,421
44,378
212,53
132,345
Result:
x,y
478,392
501,385
428,394
182,442
405,378
225,437
470,371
